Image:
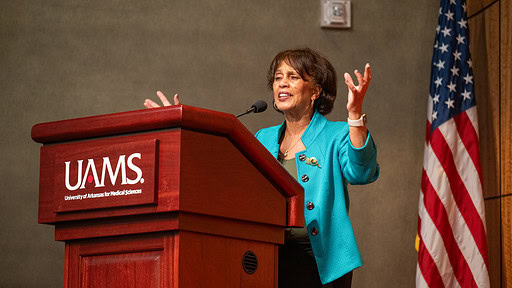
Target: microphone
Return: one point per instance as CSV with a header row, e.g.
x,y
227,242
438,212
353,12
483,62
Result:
x,y
257,107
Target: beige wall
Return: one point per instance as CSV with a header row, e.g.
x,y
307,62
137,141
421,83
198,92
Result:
x,y
68,59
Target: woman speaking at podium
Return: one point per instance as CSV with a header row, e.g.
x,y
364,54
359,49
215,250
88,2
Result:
x,y
324,157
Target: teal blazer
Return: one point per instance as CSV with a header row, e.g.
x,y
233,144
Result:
x,y
325,189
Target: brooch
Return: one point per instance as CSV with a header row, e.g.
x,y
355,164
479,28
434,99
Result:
x,y
313,162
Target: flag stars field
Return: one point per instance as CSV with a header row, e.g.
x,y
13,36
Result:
x,y
457,54
460,39
449,103
468,78
466,94
439,81
455,71
462,23
452,87
446,31
443,48
449,15
440,65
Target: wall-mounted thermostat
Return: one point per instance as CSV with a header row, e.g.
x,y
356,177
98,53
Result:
x,y
335,13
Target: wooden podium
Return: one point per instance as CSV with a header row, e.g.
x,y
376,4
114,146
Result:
x,y
169,197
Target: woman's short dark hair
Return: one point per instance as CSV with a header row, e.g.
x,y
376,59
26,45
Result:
x,y
309,62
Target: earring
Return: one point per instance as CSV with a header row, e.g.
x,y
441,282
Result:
x,y
275,106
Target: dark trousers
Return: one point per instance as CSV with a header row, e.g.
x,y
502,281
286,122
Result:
x,y
297,269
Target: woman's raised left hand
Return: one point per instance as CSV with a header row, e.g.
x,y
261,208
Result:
x,y
356,93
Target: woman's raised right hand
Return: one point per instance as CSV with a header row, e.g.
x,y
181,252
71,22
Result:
x,y
151,104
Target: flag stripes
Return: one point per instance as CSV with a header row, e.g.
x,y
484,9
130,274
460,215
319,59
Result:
x,y
439,216
461,258
460,193
470,137
435,249
433,279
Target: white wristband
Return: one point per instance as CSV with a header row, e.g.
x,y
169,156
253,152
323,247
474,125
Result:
x,y
359,122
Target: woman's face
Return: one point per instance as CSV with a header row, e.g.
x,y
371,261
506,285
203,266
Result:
x,y
292,94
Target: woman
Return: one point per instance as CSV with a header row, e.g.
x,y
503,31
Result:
x,y
324,156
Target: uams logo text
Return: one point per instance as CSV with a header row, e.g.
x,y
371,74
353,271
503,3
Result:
x,y
107,167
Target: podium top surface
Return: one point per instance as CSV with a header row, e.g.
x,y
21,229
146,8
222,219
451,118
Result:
x,y
134,121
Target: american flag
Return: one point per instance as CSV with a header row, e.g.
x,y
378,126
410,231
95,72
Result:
x,y
452,248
